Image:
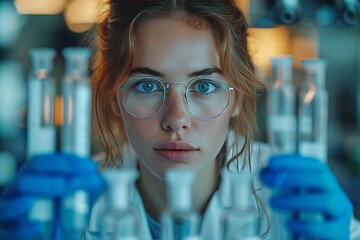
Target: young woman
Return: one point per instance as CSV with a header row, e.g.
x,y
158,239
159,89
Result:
x,y
174,83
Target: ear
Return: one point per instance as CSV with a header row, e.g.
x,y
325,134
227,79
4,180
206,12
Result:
x,y
236,111
237,105
115,107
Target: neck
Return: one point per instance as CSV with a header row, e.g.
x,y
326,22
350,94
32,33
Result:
x,y
153,190
205,185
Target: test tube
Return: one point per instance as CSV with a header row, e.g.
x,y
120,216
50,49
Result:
x,y
77,102
313,118
41,130
75,137
41,95
240,219
180,221
281,124
281,107
313,110
119,220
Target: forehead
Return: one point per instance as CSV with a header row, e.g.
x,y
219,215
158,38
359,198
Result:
x,y
165,43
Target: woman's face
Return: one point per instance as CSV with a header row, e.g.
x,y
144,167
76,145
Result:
x,y
173,51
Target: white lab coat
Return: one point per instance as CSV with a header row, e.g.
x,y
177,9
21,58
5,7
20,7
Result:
x,y
210,224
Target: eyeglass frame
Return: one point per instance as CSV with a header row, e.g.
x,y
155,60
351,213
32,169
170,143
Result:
x,y
166,85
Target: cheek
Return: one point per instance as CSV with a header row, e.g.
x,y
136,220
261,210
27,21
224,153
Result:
x,y
132,127
138,131
216,130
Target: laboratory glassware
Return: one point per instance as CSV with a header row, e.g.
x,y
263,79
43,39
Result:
x,y
76,92
313,118
313,110
75,138
240,221
119,220
281,124
41,96
179,220
41,130
281,107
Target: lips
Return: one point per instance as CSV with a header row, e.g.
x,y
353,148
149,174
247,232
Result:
x,y
176,151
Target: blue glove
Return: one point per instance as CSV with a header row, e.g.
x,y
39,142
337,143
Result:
x,y
305,184
51,176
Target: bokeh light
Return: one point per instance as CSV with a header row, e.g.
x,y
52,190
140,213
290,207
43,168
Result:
x,y
40,6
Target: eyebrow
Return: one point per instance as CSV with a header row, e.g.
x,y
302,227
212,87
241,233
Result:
x,y
206,71
148,71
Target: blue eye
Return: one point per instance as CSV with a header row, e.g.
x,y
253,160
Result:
x,y
147,86
204,86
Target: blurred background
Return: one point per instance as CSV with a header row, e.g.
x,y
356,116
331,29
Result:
x,y
327,29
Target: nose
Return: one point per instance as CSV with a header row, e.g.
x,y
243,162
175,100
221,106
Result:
x,y
175,113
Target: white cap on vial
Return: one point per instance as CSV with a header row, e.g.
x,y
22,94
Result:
x,y
179,187
282,67
42,58
77,59
120,182
315,68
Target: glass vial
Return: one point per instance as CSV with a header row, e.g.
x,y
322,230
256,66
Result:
x,y
180,221
41,95
76,92
41,130
240,220
119,220
75,137
313,118
281,107
313,110
281,126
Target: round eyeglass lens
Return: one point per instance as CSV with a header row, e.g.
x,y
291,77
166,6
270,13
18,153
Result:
x,y
142,97
207,97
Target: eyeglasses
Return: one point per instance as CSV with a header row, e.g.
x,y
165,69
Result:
x,y
144,96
